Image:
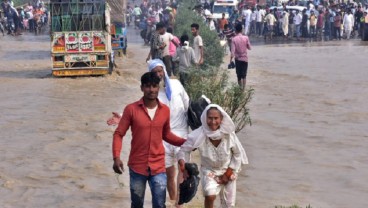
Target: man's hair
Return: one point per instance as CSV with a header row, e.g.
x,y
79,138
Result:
x,y
150,78
160,25
226,26
169,30
195,25
184,38
238,28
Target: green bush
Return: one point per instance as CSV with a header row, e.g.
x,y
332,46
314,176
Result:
x,y
19,2
215,85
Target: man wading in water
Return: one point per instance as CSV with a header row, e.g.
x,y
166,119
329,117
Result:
x,y
149,121
172,94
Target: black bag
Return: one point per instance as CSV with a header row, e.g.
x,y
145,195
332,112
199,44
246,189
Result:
x,y
188,188
195,111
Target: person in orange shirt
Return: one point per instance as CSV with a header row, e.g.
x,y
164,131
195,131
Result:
x,y
222,22
37,14
149,121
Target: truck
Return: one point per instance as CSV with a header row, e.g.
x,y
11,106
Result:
x,y
80,38
223,6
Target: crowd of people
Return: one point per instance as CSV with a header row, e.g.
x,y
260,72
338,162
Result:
x,y
314,21
27,18
146,15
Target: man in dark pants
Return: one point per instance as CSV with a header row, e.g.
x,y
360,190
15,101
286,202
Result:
x,y
13,15
239,46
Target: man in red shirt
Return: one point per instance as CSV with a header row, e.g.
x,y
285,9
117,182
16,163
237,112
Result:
x,y
149,121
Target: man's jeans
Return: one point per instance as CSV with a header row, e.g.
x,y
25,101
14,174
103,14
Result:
x,y
157,184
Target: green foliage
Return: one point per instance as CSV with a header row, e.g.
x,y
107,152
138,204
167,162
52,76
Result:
x,y
215,85
19,2
213,52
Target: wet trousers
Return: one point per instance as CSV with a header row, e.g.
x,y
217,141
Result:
x,y
157,184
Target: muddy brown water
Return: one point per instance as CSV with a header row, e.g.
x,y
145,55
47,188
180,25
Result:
x,y
307,145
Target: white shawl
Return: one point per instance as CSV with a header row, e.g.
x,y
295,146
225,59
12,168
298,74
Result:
x,y
198,136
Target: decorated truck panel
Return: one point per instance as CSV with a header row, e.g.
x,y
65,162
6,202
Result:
x,y
80,38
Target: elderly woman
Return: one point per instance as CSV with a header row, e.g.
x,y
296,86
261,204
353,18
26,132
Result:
x,y
221,155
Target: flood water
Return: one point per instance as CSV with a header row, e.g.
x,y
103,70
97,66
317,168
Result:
x,y
307,145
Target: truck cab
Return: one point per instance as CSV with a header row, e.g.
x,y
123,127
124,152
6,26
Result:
x,y
223,6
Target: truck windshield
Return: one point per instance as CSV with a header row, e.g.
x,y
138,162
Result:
x,y
219,9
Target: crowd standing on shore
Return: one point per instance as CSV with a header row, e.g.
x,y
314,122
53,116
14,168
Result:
x,y
27,18
317,20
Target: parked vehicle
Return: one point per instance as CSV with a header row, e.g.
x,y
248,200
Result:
x,y
290,8
80,38
119,38
223,6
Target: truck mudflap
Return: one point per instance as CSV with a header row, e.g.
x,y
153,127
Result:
x,y
79,72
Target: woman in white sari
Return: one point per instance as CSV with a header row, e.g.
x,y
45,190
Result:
x,y
221,155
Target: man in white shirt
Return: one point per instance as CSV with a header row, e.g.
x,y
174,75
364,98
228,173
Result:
x,y
156,14
197,43
259,20
246,17
297,21
253,18
348,23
